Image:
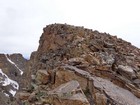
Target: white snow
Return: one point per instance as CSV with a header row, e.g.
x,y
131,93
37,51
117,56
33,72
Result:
x,y
21,72
8,81
12,92
6,94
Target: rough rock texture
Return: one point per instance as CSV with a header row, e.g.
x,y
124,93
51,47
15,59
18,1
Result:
x,y
12,69
70,92
80,65
42,77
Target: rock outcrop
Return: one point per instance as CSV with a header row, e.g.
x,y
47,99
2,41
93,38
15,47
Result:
x,y
78,66
12,69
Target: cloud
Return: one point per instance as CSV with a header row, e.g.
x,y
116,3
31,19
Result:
x,y
22,22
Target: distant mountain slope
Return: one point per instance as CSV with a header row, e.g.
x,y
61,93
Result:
x,y
12,68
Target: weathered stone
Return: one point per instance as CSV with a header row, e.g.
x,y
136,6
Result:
x,y
77,61
126,71
138,75
63,75
23,95
137,81
133,89
70,91
109,88
91,59
32,97
108,45
42,77
100,99
117,94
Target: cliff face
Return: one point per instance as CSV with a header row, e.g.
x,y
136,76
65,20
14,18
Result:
x,y
12,68
78,66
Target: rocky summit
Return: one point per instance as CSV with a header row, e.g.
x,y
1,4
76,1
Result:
x,y
78,66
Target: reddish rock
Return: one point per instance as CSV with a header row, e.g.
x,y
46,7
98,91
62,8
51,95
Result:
x,y
42,77
23,95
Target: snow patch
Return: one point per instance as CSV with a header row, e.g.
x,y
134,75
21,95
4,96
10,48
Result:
x,y
21,72
12,92
7,81
6,94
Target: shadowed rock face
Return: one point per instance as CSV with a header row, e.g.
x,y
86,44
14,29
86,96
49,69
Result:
x,y
12,69
104,68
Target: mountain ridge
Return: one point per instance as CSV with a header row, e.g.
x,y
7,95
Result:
x,y
79,66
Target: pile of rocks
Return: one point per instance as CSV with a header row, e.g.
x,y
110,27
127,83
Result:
x,y
78,66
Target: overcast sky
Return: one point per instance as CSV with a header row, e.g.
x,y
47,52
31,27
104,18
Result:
x,y
22,21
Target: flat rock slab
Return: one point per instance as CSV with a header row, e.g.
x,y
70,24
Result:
x,y
118,94
70,90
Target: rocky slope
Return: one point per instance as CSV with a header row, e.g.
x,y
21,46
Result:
x,y
12,68
78,66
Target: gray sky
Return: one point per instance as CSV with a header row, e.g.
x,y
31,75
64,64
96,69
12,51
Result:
x,y
22,21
